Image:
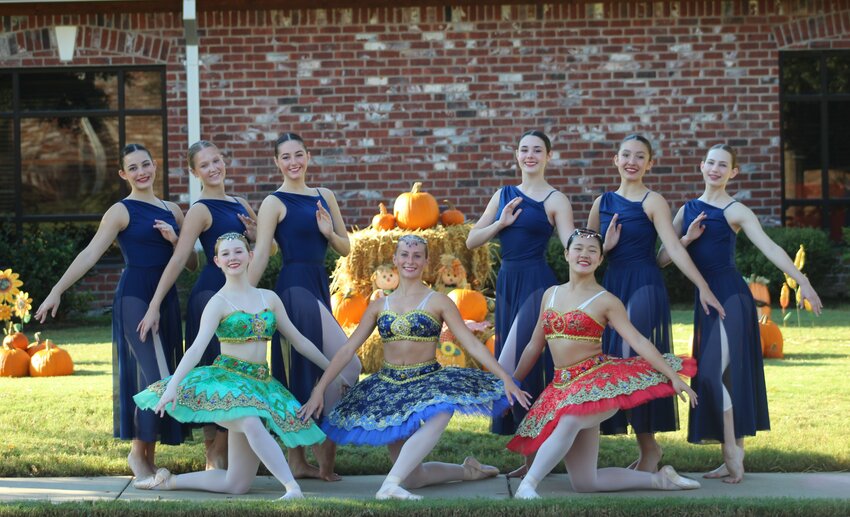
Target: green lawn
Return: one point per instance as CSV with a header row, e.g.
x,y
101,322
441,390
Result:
x,y
62,426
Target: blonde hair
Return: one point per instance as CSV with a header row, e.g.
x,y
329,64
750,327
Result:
x,y
232,236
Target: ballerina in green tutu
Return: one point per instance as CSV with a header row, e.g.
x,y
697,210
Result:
x,y
237,392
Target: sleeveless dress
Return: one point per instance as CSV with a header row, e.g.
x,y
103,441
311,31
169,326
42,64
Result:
x,y
594,385
138,363
634,277
224,219
232,388
523,277
714,255
391,404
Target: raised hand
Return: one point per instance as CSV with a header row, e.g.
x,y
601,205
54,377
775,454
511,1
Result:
x,y
323,219
696,228
166,230
612,234
510,213
250,227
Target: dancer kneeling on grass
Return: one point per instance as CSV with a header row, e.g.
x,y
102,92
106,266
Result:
x,y
237,391
590,386
409,402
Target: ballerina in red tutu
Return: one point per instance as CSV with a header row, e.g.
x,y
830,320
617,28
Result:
x,y
590,386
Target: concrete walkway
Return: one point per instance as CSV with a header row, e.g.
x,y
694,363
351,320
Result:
x,y
797,485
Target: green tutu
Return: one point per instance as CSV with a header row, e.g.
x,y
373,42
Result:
x,y
231,389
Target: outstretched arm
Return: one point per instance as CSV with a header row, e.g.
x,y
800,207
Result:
x,y
617,317
114,220
740,215
564,223
450,314
314,406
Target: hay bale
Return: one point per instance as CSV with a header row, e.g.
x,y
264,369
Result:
x,y
371,248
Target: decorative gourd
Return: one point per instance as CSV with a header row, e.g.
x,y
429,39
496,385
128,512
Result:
x,y
348,307
471,304
16,339
416,210
771,339
758,288
784,296
383,220
452,215
38,345
14,362
51,362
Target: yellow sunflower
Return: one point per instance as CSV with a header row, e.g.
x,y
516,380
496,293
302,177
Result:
x,y
5,312
9,285
23,304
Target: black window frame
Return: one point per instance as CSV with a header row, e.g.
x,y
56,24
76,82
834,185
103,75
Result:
x,y
821,99
120,112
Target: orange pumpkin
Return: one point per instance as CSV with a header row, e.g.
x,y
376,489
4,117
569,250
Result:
x,y
771,339
416,210
348,307
16,340
452,215
383,220
758,288
14,362
38,345
51,362
491,345
471,304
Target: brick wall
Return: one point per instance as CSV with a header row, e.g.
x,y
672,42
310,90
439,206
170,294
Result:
x,y
389,96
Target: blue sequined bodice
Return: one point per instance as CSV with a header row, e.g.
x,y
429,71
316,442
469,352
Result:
x,y
415,325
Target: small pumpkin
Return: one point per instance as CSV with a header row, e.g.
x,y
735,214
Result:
x,y
491,345
416,210
14,362
51,362
383,220
452,215
348,307
471,304
38,345
16,339
761,296
771,339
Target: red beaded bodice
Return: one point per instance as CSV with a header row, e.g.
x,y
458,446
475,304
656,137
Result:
x,y
575,324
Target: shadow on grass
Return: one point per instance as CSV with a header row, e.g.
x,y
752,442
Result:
x,y
818,355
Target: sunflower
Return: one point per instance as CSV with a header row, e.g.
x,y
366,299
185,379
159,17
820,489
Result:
x,y
23,304
5,312
9,285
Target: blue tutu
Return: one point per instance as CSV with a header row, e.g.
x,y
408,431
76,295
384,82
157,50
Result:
x,y
391,404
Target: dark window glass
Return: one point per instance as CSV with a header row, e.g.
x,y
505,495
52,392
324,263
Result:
x,y
838,137
71,90
838,73
801,127
69,165
800,73
5,92
803,216
142,89
7,168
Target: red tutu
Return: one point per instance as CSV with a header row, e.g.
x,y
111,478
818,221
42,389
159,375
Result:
x,y
595,385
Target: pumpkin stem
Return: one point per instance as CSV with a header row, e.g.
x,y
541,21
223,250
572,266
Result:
x,y
37,338
449,203
383,208
416,187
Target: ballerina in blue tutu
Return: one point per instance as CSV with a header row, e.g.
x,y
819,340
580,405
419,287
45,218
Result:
x,y
237,392
730,381
409,402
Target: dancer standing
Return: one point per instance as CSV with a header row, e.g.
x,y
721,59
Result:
x,y
237,391
632,218
730,381
146,229
409,402
213,214
590,386
303,221
523,217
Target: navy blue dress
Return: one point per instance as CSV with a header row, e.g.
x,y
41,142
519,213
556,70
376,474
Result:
x,y
302,281
138,364
523,277
634,277
225,218
714,255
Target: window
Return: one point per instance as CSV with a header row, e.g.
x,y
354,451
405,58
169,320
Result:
x,y
61,131
815,139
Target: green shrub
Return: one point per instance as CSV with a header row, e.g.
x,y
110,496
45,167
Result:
x,y
41,254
